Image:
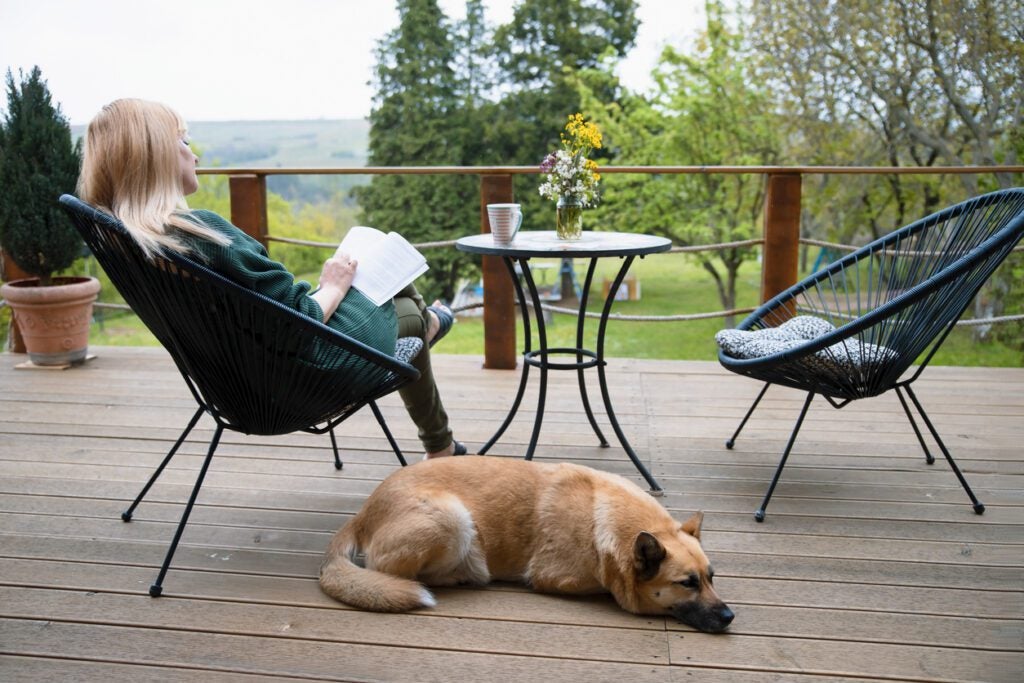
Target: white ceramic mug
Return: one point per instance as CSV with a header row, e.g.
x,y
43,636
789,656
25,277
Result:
x,y
505,220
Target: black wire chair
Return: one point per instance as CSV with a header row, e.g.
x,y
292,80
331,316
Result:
x,y
253,365
889,305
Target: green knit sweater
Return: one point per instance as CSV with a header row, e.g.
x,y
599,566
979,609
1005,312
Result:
x,y
246,262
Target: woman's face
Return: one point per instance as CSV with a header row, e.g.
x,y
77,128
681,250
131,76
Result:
x,y
187,165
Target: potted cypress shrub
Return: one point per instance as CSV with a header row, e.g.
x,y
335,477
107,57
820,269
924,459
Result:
x,y
39,163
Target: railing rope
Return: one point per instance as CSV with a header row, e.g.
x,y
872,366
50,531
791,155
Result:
x,y
651,318
628,318
689,249
780,242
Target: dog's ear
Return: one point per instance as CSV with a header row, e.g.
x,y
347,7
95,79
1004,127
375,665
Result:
x,y
692,525
648,554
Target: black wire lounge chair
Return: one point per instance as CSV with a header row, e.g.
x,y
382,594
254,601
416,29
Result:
x,y
868,317
253,365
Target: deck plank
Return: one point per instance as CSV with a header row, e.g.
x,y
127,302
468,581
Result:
x,y
870,566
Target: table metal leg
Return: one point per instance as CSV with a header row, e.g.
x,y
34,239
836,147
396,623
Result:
x,y
581,317
540,359
527,337
655,487
542,340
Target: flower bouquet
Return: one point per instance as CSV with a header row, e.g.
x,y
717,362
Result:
x,y
570,177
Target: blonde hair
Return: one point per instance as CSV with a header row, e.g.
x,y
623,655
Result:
x,y
131,169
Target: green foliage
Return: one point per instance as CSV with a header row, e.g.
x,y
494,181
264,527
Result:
x,y
1012,333
39,164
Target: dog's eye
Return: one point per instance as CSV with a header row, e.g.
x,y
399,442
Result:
x,y
690,582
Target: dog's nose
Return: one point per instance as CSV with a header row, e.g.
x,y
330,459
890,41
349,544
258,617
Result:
x,y
726,615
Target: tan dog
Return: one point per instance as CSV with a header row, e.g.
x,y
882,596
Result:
x,y
559,528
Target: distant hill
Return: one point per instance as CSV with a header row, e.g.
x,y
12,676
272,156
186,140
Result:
x,y
320,142
277,144
340,142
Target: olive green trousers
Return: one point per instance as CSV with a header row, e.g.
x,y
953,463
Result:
x,y
422,399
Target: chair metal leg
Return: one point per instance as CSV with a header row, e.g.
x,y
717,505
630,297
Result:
x,y
387,432
338,464
759,515
978,507
732,442
157,588
127,514
928,457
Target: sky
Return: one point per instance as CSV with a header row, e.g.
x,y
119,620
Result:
x,y
224,60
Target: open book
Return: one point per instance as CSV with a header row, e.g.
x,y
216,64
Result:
x,y
387,262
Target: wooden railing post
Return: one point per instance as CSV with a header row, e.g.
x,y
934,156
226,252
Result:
x,y
249,205
9,270
499,302
779,268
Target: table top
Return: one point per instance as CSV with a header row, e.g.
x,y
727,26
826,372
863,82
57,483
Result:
x,y
540,243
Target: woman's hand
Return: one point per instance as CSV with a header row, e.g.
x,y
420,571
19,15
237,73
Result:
x,y
335,281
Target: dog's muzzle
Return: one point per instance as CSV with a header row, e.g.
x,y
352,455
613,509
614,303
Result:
x,y
709,618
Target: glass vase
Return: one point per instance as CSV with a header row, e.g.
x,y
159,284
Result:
x,y
569,219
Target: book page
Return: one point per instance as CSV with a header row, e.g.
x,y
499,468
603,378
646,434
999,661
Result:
x,y
387,263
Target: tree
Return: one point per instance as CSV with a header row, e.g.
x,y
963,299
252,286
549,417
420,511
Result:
x,y
418,120
475,64
707,110
39,164
933,81
541,52
547,39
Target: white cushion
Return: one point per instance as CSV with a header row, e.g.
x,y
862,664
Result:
x,y
759,343
846,355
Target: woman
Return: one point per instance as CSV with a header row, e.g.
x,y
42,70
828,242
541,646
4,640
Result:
x,y
138,166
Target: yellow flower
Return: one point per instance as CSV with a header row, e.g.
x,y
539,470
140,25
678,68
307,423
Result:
x,y
581,134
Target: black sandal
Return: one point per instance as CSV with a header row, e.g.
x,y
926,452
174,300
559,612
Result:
x,y
458,448
445,319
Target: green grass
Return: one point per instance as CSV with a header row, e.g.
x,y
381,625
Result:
x,y
670,284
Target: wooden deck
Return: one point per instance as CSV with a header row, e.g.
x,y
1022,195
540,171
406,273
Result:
x,y
871,564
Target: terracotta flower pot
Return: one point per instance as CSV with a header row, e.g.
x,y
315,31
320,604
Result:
x,y
54,321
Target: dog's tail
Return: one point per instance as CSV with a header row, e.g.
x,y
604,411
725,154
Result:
x,y
344,580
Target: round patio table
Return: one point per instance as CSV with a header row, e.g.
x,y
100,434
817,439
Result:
x,y
592,246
